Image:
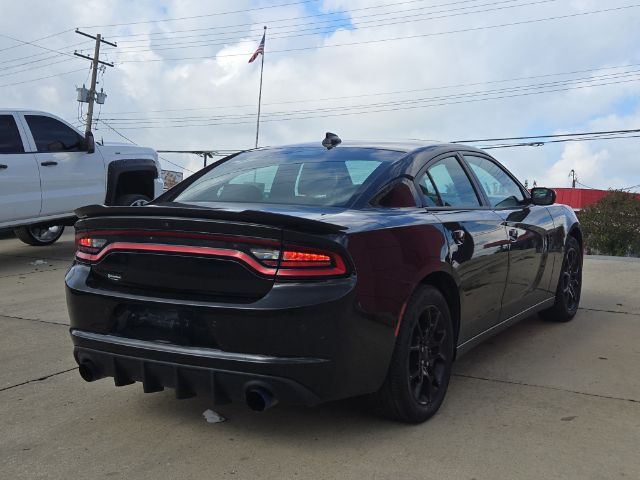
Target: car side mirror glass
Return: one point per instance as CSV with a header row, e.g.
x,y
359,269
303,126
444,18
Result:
x,y
56,147
543,196
89,143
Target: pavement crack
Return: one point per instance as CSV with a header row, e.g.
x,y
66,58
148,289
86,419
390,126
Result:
x,y
37,257
31,273
39,379
609,311
13,317
566,390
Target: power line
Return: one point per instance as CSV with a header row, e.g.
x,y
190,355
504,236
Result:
x,y
38,55
23,43
271,21
548,136
382,40
35,45
134,143
564,140
413,104
440,87
11,67
30,69
42,78
397,102
207,15
315,30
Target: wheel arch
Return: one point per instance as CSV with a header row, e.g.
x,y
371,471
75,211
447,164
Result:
x,y
129,176
447,285
576,232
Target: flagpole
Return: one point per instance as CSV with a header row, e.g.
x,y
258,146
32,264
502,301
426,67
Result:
x,y
260,94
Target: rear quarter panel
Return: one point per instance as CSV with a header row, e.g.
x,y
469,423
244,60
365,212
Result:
x,y
392,258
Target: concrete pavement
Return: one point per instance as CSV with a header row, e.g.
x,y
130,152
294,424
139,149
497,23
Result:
x,y
540,400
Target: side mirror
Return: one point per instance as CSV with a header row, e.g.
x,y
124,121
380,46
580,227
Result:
x,y
543,196
89,143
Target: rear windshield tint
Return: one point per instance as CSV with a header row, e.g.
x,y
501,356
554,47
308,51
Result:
x,y
292,176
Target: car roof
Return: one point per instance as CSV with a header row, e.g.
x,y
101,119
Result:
x,y
405,146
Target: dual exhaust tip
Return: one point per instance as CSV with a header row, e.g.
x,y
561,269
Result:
x,y
258,398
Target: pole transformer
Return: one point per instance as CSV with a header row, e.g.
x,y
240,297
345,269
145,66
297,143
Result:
x,y
95,61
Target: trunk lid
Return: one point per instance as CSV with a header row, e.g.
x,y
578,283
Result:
x,y
186,252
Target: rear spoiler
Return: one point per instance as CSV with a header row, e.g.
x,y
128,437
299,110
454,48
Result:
x,y
182,211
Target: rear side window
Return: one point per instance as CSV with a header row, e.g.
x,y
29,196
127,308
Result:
x,y
446,184
52,135
499,187
292,176
10,141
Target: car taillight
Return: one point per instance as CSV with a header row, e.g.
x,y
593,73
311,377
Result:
x,y
305,262
86,245
294,258
268,256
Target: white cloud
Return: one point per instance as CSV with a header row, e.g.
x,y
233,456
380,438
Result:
x,y
580,158
223,78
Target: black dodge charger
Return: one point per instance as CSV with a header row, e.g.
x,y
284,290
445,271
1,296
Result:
x,y
315,272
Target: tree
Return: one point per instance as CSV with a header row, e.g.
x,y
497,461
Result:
x,y
612,225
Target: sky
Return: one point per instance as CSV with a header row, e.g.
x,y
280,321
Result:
x,y
376,69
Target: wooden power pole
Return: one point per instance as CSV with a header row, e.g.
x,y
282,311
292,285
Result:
x,y
94,73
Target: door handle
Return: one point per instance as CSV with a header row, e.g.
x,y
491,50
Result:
x,y
49,164
513,235
3,166
458,236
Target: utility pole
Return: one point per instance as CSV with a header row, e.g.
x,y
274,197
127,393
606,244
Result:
x,y
572,174
94,74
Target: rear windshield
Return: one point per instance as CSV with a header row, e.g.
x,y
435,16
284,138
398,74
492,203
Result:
x,y
292,176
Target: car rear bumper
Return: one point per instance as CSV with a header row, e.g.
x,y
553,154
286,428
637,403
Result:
x,y
304,343
189,371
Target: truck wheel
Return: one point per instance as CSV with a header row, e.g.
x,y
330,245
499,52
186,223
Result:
x,y
132,200
39,236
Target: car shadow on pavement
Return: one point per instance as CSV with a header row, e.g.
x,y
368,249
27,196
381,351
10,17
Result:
x,y
336,417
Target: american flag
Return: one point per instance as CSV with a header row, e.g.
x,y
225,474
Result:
x,y
259,50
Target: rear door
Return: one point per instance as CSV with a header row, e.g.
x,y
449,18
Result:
x,y
528,228
71,177
20,196
478,247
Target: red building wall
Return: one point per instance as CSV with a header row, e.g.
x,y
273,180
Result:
x,y
578,198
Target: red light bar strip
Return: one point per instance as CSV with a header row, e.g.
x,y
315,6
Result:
x,y
161,233
191,250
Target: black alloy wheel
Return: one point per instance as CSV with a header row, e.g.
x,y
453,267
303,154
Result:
x,y
571,280
427,359
569,287
420,367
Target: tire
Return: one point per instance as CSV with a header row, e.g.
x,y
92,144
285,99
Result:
x,y
420,367
569,286
39,236
132,200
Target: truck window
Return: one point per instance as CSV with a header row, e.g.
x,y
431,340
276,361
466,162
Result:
x,y
51,135
10,141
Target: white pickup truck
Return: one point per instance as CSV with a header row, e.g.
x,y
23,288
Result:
x,y
48,169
